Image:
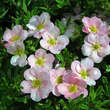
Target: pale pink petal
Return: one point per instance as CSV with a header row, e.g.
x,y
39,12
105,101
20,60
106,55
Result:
x,y
14,60
45,18
26,86
90,81
95,57
37,35
22,61
44,44
74,79
86,50
49,58
35,95
23,35
55,91
91,38
76,67
44,92
96,21
63,41
103,30
30,74
17,29
86,21
63,88
31,61
34,21
85,29
8,34
95,73
87,63
40,53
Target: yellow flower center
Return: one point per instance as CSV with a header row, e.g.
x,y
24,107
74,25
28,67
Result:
x,y
93,29
59,79
15,38
73,88
96,46
83,74
19,52
40,26
52,41
36,83
40,61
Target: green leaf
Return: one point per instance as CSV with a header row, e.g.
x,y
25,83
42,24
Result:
x,y
4,13
24,6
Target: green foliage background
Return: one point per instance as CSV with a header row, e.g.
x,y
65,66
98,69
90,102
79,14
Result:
x,y
13,12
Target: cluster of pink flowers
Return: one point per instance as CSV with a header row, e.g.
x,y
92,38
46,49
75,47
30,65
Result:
x,y
96,44
42,78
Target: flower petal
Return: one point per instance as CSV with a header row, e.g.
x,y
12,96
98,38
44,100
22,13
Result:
x,y
95,57
90,81
14,60
86,50
76,67
26,86
8,34
87,63
35,95
95,73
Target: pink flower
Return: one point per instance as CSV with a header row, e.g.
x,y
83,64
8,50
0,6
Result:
x,y
37,84
86,71
72,87
16,34
39,24
96,47
41,60
56,78
94,25
18,50
53,42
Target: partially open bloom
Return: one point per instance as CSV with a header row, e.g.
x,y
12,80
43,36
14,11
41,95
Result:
x,y
37,84
39,24
41,60
86,71
14,35
94,25
18,51
53,42
96,47
56,78
72,87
